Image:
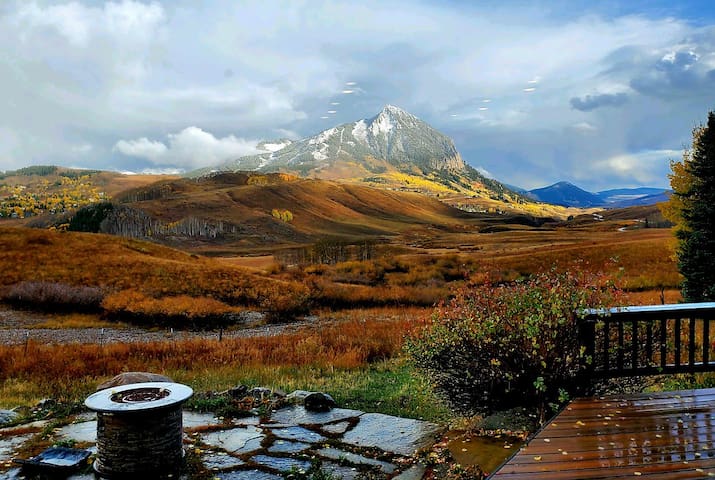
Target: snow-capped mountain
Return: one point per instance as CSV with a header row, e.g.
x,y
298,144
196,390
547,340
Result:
x,y
394,149
393,136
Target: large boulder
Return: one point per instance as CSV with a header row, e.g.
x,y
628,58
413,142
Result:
x,y
312,401
128,378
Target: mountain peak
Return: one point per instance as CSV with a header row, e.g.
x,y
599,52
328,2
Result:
x,y
392,140
393,109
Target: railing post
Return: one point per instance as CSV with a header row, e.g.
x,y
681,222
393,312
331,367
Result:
x,y
587,340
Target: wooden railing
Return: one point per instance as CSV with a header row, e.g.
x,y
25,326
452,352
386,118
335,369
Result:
x,y
629,341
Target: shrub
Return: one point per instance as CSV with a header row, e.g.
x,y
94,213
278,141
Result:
x,y
55,295
177,310
503,345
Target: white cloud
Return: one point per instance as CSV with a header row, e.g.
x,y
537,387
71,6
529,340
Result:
x,y
142,148
78,24
81,72
584,127
192,147
484,172
644,167
82,149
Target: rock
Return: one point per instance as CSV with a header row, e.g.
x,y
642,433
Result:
x,y
260,393
45,403
318,402
7,416
312,401
237,392
128,378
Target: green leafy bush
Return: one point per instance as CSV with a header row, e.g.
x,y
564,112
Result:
x,y
504,345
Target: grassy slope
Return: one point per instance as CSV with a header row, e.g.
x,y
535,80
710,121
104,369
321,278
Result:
x,y
116,264
319,208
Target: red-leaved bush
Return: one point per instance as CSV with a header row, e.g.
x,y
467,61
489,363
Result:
x,y
501,345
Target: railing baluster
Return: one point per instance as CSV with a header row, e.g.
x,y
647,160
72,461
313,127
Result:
x,y
677,343
691,343
621,347
634,344
663,342
649,343
706,339
606,344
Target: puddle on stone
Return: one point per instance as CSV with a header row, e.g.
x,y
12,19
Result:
x,y
298,434
221,461
300,416
284,446
248,475
487,452
282,464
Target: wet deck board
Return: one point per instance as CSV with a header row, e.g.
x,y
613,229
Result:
x,y
669,435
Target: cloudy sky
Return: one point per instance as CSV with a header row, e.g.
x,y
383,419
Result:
x,y
532,92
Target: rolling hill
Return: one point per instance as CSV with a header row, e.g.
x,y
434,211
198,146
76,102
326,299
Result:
x,y
253,211
569,195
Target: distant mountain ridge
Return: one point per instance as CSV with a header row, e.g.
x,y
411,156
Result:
x,y
569,195
392,149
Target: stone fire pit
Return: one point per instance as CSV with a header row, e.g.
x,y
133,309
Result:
x,y
139,429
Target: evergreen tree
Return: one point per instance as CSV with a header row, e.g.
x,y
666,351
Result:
x,y
693,206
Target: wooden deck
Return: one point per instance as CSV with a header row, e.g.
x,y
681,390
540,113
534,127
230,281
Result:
x,y
668,435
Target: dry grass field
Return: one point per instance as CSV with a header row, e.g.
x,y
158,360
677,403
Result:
x,y
423,250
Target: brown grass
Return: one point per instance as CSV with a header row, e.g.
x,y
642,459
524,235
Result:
x,y
63,371
124,265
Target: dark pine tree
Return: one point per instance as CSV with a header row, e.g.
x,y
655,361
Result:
x,y
696,254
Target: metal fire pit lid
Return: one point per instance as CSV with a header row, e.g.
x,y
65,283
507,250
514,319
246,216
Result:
x,y
138,397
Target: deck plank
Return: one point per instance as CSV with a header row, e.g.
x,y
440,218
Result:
x,y
668,435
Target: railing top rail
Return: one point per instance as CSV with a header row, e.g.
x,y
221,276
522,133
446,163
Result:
x,y
634,310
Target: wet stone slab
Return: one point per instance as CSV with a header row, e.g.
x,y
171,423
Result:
x,y
80,432
221,461
415,472
341,471
248,475
284,446
391,434
299,434
336,428
281,464
9,444
195,419
298,415
235,440
355,459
